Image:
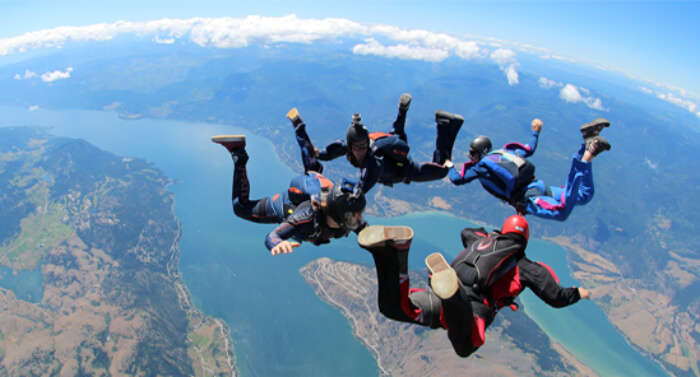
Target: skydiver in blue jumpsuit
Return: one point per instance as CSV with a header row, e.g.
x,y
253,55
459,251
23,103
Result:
x,y
507,174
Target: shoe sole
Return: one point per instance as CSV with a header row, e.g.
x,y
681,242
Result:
x,y
228,139
405,100
292,114
443,281
440,114
378,235
595,126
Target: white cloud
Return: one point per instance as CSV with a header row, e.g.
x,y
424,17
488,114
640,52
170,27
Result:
x,y
684,103
56,75
503,56
165,41
512,75
33,108
646,90
401,51
651,164
27,75
571,93
547,83
563,58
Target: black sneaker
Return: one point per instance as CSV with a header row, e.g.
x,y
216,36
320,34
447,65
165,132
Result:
x,y
593,128
597,145
443,278
379,236
405,102
294,117
231,142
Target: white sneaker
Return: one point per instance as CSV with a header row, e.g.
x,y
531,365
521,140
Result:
x,y
444,278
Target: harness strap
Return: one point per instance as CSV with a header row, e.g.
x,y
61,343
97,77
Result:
x,y
517,160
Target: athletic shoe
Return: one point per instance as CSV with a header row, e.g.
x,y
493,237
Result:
x,y
593,128
379,236
597,145
294,117
231,142
404,102
444,278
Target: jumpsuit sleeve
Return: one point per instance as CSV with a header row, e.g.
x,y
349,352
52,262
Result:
x,y
541,279
298,226
370,172
468,173
524,150
282,232
333,151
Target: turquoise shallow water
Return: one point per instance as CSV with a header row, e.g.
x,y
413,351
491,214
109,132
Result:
x,y
279,326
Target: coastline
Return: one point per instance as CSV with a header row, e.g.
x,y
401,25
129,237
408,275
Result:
x,y
198,320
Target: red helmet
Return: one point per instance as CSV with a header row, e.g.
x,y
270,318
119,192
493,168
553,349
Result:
x,y
516,224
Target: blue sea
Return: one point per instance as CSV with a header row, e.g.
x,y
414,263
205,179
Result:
x,y
279,326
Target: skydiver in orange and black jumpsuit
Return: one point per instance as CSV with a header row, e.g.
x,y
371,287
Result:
x,y
383,157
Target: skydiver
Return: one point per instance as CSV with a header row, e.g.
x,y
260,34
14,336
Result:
x,y
313,209
460,299
273,209
317,221
509,176
383,157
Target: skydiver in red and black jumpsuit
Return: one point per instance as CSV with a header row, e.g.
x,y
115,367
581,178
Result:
x,y
453,302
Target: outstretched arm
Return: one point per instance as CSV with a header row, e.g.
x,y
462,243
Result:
x,y
332,151
370,172
544,283
276,241
469,172
527,150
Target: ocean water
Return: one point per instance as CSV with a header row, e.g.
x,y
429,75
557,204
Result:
x,y
279,326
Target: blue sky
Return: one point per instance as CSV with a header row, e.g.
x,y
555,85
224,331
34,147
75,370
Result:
x,y
656,41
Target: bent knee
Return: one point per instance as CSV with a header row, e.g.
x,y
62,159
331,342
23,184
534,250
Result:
x,y
240,210
464,350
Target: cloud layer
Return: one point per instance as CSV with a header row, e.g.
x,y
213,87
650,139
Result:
x,y
380,40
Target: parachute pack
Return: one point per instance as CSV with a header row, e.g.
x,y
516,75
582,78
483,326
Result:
x,y
389,146
520,170
302,188
486,257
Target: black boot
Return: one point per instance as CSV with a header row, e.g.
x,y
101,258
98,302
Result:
x,y
241,185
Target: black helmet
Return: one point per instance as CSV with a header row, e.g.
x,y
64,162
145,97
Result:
x,y
480,146
341,204
356,131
